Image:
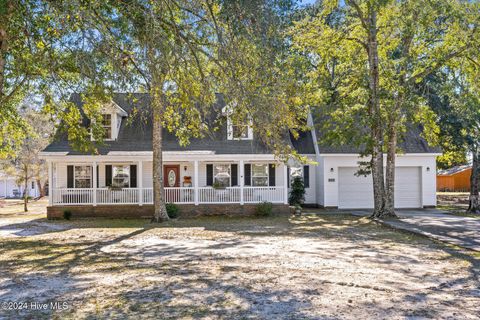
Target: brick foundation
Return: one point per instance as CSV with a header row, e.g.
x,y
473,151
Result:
x,y
146,211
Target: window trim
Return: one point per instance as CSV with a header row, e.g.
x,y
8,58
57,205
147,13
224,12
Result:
x,y
129,173
230,126
302,169
214,164
267,176
75,176
113,128
105,126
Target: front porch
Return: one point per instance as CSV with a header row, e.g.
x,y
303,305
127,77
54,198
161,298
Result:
x,y
122,183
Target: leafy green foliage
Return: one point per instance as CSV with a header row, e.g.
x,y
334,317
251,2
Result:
x,y
172,210
67,214
297,192
264,209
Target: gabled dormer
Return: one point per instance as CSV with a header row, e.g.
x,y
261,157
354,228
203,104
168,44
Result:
x,y
112,115
236,130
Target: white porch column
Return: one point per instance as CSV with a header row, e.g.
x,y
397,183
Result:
x,y
140,182
195,181
94,173
242,181
50,183
285,184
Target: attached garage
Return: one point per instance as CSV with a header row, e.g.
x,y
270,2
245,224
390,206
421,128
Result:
x,y
356,192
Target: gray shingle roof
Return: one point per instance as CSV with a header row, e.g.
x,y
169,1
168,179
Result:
x,y
410,142
136,133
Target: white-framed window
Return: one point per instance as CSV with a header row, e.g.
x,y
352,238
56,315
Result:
x,y
33,185
107,126
121,176
259,174
222,175
239,131
302,172
82,177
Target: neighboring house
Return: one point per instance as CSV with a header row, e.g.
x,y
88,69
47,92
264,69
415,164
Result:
x,y
454,179
10,189
230,171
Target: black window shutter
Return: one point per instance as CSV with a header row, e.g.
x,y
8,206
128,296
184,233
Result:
x,y
306,176
133,176
248,174
288,177
234,169
209,174
69,176
271,174
108,175
98,182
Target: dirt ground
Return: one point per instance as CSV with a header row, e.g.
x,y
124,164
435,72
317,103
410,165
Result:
x,y
309,267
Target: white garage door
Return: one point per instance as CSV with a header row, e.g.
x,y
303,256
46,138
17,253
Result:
x,y
408,187
357,192
354,192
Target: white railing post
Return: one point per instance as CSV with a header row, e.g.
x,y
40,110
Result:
x,y
94,172
50,184
140,182
242,181
195,182
285,184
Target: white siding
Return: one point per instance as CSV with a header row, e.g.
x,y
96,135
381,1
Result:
x,y
148,174
320,181
61,175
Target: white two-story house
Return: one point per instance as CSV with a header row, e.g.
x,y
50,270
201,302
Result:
x,y
229,172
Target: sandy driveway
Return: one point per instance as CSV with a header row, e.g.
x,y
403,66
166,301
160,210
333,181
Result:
x,y
311,267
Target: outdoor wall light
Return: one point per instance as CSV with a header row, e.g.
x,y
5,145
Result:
x,y
331,169
428,169
185,168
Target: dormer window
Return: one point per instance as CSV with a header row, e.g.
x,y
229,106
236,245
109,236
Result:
x,y
107,126
239,131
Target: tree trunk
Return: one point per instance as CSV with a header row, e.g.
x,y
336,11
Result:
x,y
375,118
158,189
41,189
157,74
474,206
3,47
25,194
389,210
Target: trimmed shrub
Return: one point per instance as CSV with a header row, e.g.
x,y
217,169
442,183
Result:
x,y
172,210
297,194
67,214
264,209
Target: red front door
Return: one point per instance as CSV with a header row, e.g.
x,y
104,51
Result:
x,y
171,175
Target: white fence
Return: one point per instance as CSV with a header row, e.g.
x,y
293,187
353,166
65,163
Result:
x,y
180,195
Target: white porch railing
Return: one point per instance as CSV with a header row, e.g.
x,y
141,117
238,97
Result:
x,y
211,195
121,196
72,196
261,194
181,195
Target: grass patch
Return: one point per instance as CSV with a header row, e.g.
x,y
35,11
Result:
x,y
457,211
